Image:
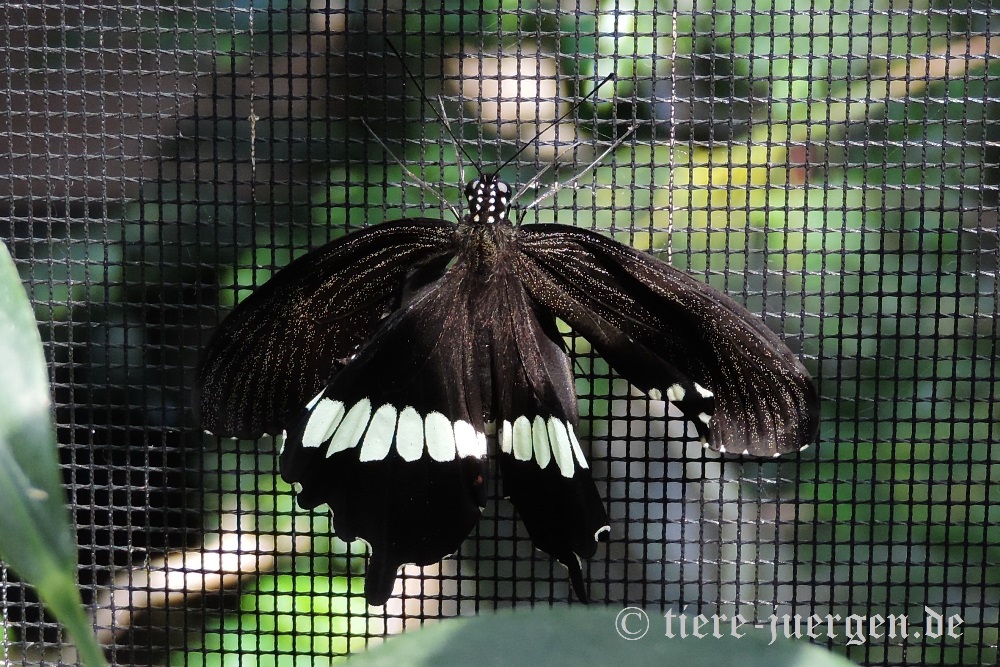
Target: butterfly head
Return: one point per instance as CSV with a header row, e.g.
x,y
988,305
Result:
x,y
489,199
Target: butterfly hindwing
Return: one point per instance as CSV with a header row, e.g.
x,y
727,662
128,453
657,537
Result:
x,y
674,337
544,471
283,343
396,444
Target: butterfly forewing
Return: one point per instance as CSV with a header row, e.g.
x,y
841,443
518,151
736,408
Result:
x,y
286,340
676,338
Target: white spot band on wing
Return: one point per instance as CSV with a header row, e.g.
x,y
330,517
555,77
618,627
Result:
x,y
410,435
378,438
323,420
440,437
349,433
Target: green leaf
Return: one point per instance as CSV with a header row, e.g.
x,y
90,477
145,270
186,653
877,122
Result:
x,y
582,637
36,539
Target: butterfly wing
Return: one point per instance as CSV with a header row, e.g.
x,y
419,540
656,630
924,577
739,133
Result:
x,y
395,445
544,471
283,343
673,336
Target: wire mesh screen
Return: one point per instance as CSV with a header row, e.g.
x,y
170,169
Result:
x,y
831,165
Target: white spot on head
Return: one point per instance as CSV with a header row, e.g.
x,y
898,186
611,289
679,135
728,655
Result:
x,y
562,450
440,437
378,439
675,393
410,435
324,418
349,433
540,442
522,439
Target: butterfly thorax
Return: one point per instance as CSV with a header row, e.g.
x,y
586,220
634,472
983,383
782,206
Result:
x,y
487,233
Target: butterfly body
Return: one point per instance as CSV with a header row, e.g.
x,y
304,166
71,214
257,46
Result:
x,y
388,356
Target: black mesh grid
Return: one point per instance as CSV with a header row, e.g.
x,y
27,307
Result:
x,y
832,165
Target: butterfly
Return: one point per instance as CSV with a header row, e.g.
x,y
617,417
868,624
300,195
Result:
x,y
391,356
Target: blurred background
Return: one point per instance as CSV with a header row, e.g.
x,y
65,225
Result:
x,y
832,164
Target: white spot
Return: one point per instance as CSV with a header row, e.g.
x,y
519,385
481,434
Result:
x,y
577,450
675,393
506,437
705,393
803,448
35,493
323,420
656,394
775,455
562,450
602,529
475,218
746,452
522,439
351,429
315,400
410,435
378,439
440,437
722,449
705,418
467,440
704,443
479,200
540,442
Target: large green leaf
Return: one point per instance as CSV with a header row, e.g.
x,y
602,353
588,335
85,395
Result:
x,y
582,637
36,539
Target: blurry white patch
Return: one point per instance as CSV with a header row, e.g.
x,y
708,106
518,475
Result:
x,y
349,433
522,439
378,438
705,393
440,437
705,418
467,440
506,437
323,420
315,400
410,435
656,394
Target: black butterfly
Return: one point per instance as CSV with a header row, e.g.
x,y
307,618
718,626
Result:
x,y
390,354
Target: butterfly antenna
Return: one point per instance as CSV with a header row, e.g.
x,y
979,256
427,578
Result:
x,y
413,177
558,120
439,114
556,187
